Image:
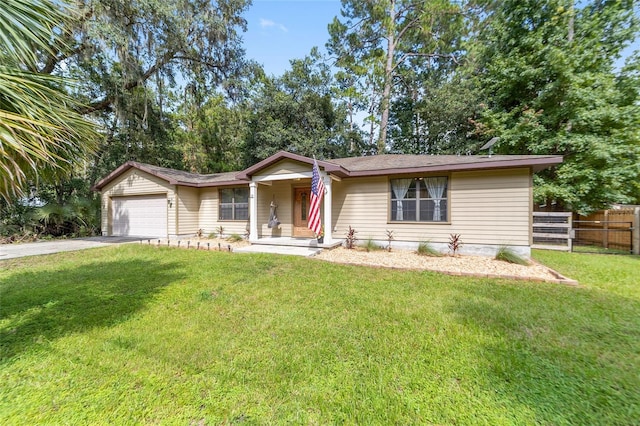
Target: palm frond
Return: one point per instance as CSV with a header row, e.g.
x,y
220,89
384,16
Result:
x,y
27,28
42,136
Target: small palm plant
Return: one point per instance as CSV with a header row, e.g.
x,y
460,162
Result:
x,y
455,243
390,238
350,241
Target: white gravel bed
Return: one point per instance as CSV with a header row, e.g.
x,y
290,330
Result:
x,y
481,266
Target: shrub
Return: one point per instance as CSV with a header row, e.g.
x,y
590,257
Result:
x,y
507,255
426,249
234,238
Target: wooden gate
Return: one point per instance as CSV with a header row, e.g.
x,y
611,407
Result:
x,y
552,230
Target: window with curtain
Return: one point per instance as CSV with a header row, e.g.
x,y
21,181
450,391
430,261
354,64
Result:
x,y
419,199
234,204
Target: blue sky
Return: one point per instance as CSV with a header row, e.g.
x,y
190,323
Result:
x,y
281,30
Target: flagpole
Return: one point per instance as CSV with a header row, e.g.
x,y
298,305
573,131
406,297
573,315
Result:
x,y
315,199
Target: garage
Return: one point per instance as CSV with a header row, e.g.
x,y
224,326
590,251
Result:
x,y
139,216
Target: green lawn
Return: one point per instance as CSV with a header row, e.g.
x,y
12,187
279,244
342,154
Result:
x,y
139,334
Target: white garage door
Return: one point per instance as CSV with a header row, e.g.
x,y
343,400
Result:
x,y
140,216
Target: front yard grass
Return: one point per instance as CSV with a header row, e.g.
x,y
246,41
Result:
x,y
139,334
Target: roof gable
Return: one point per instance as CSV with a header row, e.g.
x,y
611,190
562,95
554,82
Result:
x,y
328,166
284,167
171,176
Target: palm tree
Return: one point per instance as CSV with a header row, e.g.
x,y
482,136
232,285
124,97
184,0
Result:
x,y
42,136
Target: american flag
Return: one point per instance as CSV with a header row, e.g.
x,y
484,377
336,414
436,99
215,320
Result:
x,y
317,191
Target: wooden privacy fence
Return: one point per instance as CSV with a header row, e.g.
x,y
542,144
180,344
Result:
x,y
613,230
609,229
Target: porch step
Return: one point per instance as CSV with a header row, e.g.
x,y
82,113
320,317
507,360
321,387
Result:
x,y
294,242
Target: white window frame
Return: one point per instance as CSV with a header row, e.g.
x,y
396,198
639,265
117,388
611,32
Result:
x,y
417,183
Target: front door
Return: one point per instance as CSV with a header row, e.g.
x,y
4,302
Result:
x,y
301,213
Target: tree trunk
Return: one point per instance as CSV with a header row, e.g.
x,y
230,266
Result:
x,y
570,31
372,110
570,25
388,81
352,143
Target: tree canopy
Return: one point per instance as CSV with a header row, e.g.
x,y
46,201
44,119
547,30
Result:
x,y
116,46
296,112
548,76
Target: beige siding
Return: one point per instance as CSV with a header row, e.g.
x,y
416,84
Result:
x,y
280,192
188,210
209,215
362,204
284,167
486,207
135,182
492,207
105,214
208,210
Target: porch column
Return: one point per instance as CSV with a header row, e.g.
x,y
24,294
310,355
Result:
x,y
328,202
253,211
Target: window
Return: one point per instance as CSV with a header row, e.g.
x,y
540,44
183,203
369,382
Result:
x,y
234,204
419,199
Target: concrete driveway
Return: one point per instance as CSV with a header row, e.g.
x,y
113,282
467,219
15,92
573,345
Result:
x,y
11,251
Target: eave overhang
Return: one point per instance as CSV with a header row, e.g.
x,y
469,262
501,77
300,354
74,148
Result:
x,y
536,164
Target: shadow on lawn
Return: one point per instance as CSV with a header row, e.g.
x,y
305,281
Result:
x,y
38,307
566,356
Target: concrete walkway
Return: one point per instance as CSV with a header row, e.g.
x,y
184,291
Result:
x,y
290,250
12,251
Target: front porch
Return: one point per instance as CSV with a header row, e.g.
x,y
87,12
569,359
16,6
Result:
x,y
279,205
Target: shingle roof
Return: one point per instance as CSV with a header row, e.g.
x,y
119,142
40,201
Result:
x,y
404,163
183,177
376,165
174,177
